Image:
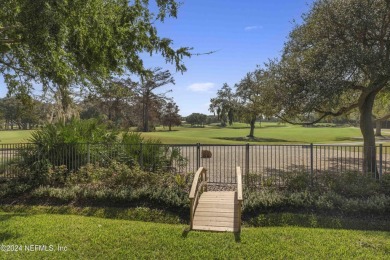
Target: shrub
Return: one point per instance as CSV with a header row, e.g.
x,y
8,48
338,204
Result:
x,y
116,174
385,184
62,144
350,184
206,154
151,154
296,180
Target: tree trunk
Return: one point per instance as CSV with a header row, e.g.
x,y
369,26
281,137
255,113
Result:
x,y
146,111
145,118
252,131
170,127
378,128
366,127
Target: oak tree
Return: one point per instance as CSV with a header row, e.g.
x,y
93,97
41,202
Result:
x,y
59,42
337,60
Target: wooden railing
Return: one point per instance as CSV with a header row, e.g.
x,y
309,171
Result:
x,y
239,195
196,190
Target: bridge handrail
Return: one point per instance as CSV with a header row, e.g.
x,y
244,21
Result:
x,y
196,190
239,194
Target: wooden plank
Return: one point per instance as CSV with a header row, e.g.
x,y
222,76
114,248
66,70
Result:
x,y
219,193
208,201
214,210
217,198
215,214
239,183
220,229
217,218
215,223
216,204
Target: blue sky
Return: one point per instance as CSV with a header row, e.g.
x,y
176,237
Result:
x,y
244,34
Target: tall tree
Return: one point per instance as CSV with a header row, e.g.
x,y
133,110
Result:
x,y
196,119
251,98
149,101
381,110
21,110
336,61
170,115
113,102
81,41
223,105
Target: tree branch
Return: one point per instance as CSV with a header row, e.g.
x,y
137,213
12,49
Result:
x,y
302,123
341,111
387,116
16,69
9,41
204,53
6,28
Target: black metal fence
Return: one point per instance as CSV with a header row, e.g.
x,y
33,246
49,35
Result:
x,y
262,163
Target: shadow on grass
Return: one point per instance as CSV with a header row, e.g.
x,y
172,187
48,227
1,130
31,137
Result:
x,y
185,232
164,131
237,237
127,212
349,139
4,236
8,216
368,223
254,139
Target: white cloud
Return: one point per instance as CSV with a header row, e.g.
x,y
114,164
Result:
x,y
252,28
201,87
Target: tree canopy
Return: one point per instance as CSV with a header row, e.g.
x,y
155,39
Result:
x,y
224,104
64,42
337,60
251,94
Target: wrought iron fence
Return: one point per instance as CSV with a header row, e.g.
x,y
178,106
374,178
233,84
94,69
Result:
x,y
260,163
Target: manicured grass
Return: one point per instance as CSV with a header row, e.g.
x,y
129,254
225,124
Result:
x,y
15,136
268,133
99,238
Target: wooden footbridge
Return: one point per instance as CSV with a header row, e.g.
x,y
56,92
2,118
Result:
x,y
215,210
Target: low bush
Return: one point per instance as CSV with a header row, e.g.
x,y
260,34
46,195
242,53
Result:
x,y
114,175
206,154
349,184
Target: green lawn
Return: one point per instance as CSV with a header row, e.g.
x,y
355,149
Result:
x,y
99,238
268,133
15,136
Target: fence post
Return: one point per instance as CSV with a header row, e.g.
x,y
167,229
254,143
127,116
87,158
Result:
x,y
311,164
197,156
246,161
141,155
88,153
380,160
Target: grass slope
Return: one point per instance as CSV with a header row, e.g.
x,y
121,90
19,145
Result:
x,y
98,238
